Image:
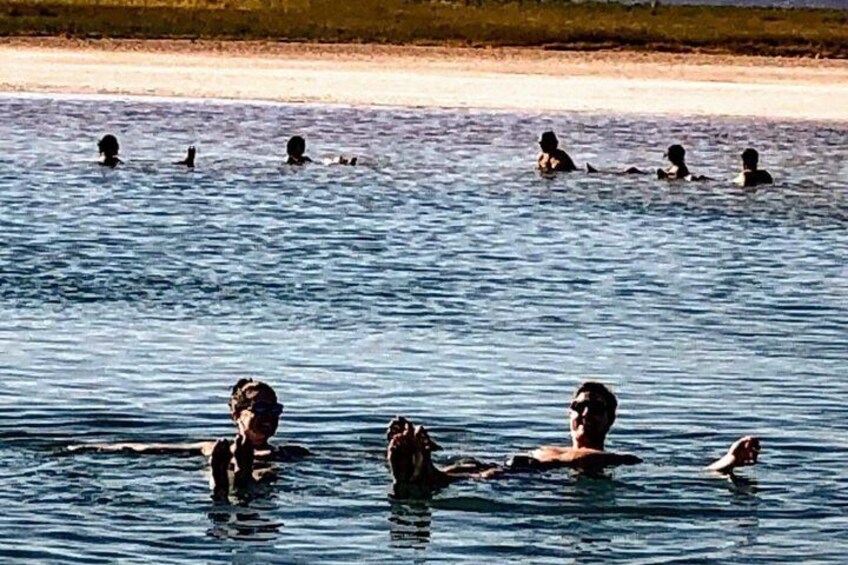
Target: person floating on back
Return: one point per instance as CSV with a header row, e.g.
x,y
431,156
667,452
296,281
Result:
x,y
552,158
296,147
592,412
248,458
188,162
751,175
108,147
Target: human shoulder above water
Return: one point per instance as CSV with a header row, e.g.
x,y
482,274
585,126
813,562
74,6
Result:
x,y
552,158
109,148
751,174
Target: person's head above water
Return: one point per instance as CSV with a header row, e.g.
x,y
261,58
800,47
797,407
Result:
x,y
676,154
591,415
255,410
108,145
548,141
750,159
296,146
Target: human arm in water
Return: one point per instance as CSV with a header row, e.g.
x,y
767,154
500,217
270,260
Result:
x,y
744,451
206,448
197,448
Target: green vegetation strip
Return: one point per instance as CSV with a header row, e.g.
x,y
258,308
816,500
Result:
x,y
553,24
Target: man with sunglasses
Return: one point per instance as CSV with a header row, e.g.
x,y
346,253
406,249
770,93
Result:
x,y
591,415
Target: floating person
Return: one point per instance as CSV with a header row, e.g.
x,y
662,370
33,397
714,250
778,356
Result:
x,y
108,147
256,413
678,170
591,414
552,158
188,162
751,175
295,148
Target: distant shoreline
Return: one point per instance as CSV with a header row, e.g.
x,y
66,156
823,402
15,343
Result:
x,y
435,77
561,25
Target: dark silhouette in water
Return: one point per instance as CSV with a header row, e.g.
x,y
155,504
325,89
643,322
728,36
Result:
x,y
752,175
591,414
108,147
678,170
189,160
295,148
552,158
629,171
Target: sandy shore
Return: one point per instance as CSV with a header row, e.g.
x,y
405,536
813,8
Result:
x,y
522,79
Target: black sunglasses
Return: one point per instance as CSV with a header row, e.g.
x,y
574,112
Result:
x,y
265,408
593,405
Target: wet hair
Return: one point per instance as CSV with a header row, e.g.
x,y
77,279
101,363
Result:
x,y
549,138
750,158
600,389
108,145
296,146
239,398
676,153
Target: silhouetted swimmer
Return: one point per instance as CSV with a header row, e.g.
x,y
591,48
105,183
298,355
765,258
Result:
x,y
676,155
552,158
752,175
189,160
296,147
591,413
108,147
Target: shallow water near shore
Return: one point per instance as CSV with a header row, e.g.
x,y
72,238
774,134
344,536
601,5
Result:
x,y
444,279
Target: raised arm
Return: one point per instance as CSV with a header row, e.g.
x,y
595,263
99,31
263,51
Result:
x,y
744,451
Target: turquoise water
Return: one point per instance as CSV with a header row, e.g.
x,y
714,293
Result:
x,y
444,280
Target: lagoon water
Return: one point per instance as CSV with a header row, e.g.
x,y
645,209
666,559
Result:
x,y
444,280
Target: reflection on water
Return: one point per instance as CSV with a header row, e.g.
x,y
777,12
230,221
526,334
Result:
x,y
410,523
248,521
447,281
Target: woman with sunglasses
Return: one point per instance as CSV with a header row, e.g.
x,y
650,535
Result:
x,y
256,413
591,415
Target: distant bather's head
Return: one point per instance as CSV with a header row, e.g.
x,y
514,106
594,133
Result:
x,y
548,141
750,159
296,146
676,154
108,145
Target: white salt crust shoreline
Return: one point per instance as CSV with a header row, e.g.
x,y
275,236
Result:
x,y
434,77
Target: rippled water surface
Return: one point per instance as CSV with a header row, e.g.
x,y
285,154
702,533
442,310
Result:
x,y
445,280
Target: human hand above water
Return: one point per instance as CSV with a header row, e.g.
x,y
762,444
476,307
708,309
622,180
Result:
x,y
743,452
